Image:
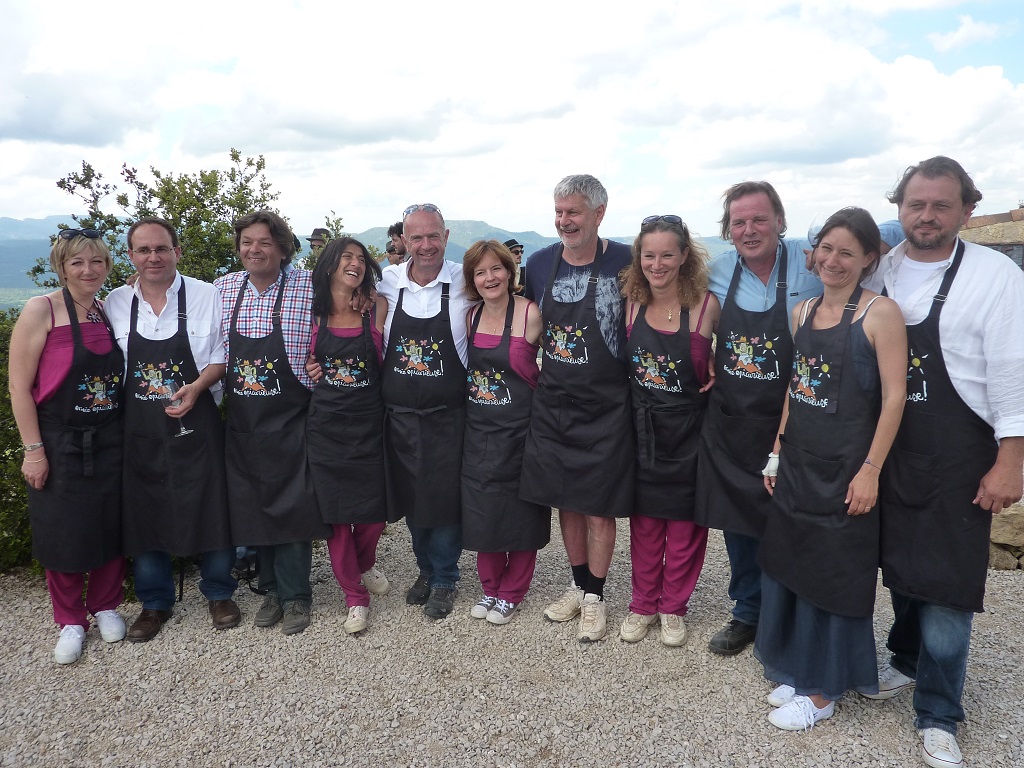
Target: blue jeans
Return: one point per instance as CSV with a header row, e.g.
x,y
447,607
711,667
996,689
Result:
x,y
437,553
154,578
744,577
285,568
930,643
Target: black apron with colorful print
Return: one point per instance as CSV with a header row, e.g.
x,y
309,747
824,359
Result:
x,y
935,540
810,544
175,490
76,517
345,429
270,491
752,360
494,518
579,448
668,410
424,385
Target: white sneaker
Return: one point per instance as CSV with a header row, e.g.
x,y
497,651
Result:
x,y
673,630
479,611
69,646
890,682
634,628
376,582
111,625
502,612
593,619
567,606
800,714
782,695
939,749
356,621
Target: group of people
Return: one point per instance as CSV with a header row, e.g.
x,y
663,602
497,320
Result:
x,y
812,433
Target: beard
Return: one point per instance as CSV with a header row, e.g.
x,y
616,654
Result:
x,y
933,242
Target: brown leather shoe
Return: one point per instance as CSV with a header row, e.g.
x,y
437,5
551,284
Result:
x,y
147,626
225,614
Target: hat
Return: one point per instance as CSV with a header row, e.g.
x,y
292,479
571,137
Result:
x,y
513,243
320,234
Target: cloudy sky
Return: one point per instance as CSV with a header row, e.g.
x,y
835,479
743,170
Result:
x,y
363,108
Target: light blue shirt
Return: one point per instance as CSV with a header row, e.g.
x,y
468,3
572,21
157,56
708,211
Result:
x,y
755,296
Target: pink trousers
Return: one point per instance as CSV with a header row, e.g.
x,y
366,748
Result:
x,y
506,575
353,551
104,593
667,558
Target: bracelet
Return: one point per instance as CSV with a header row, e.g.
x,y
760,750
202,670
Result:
x,y
32,446
868,462
33,461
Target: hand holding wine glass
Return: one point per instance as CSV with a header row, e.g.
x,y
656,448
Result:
x,y
173,387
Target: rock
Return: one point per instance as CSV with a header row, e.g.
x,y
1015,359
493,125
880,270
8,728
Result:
x,y
1000,559
1008,527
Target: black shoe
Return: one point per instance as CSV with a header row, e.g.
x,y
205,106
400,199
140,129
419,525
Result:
x,y
732,638
418,592
441,602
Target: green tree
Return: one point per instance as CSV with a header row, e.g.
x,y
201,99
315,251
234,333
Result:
x,y
15,539
335,226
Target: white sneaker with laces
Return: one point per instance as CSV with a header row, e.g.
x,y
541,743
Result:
x,y
69,646
357,618
376,582
634,628
800,714
782,695
673,630
112,628
890,682
483,606
593,619
567,606
502,612
939,749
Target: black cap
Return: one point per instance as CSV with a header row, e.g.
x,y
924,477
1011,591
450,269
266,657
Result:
x,y
320,234
513,243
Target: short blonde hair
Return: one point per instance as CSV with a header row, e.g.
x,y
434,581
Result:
x,y
64,249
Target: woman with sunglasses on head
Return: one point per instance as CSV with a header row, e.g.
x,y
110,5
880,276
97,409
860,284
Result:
x,y
820,550
504,330
670,318
344,428
66,375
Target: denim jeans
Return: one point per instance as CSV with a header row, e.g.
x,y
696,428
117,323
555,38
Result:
x,y
154,578
930,643
285,568
437,553
744,576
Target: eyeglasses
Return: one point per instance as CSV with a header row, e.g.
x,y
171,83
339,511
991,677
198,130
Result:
x,y
669,219
71,234
424,207
160,250
517,251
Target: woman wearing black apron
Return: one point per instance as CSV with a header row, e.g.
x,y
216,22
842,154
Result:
x,y
344,429
504,530
669,353
819,552
66,375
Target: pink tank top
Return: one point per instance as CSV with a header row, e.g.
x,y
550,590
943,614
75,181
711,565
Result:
x,y
55,360
700,346
522,354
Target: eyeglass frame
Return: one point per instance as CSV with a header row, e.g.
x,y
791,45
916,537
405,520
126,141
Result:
x,y
669,218
421,207
71,234
160,250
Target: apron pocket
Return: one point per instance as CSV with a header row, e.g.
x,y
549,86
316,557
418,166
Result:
x,y
911,479
809,484
145,459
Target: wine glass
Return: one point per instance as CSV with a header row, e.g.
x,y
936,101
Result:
x,y
172,389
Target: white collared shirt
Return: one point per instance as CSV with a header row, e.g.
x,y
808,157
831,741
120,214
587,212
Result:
x,y
203,322
425,300
981,327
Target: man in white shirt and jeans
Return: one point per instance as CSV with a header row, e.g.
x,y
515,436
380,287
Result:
x,y
958,457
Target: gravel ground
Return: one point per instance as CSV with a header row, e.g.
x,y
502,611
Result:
x,y
458,692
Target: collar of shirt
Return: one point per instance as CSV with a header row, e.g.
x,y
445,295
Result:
x,y
285,269
895,258
443,276
171,293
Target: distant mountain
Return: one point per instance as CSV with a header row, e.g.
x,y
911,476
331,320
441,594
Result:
x,y
30,229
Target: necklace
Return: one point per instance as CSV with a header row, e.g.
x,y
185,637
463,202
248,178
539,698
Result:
x,y
92,314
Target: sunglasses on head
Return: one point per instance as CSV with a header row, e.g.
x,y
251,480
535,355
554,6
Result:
x,y
669,219
70,234
424,207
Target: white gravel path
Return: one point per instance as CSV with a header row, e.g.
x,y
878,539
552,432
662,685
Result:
x,y
458,692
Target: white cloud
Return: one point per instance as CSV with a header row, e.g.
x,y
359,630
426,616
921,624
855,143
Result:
x,y
968,33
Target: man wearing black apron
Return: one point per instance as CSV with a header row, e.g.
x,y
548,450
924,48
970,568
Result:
x,y
267,323
424,386
175,493
958,457
758,285
579,454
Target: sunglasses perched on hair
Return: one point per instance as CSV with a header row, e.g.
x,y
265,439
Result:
x,y
70,234
424,207
669,219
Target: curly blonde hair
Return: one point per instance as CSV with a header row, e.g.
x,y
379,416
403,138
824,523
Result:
x,y
693,272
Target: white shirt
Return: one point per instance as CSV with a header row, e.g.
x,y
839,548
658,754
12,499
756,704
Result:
x,y
203,322
425,300
981,327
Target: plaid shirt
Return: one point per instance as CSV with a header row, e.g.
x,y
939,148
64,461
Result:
x,y
255,315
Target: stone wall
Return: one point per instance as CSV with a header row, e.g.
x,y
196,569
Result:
x,y
1006,552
